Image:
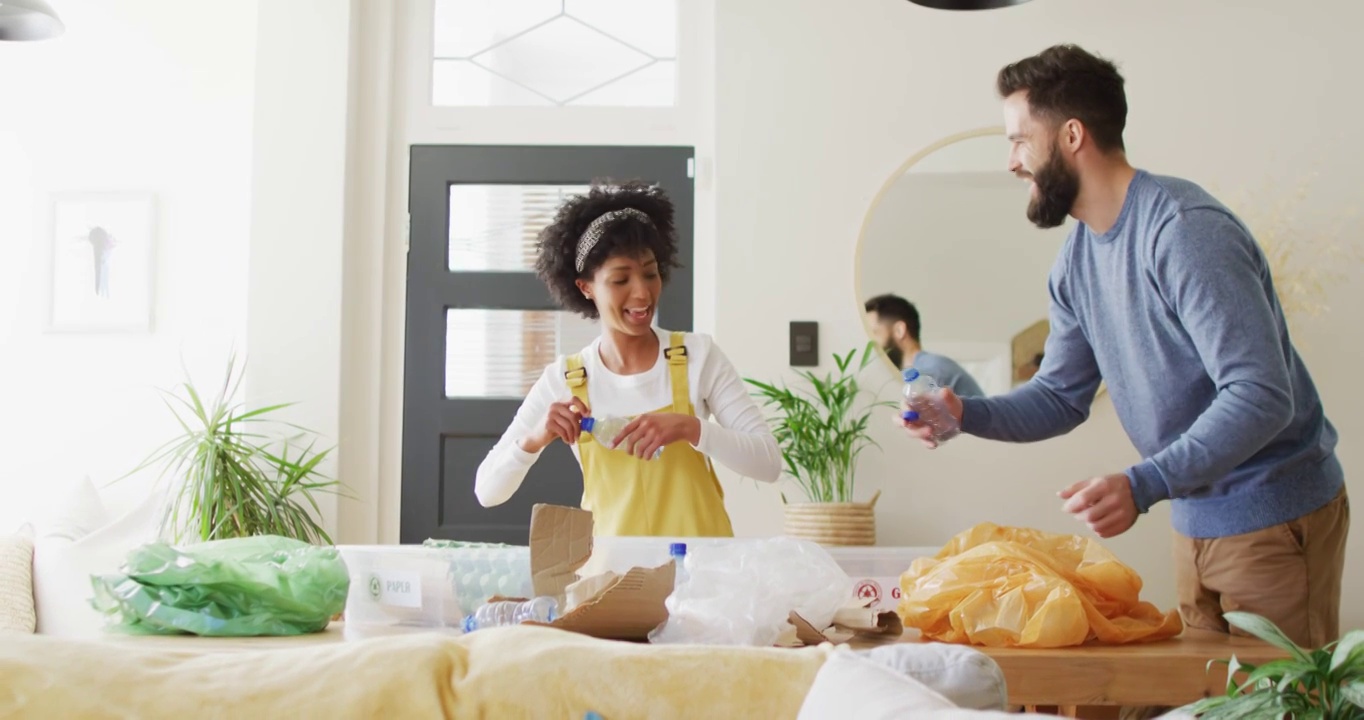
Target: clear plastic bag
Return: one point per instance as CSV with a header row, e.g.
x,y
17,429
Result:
x,y
743,592
1015,587
264,585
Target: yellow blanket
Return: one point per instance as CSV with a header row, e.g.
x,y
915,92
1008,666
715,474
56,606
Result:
x,y
519,672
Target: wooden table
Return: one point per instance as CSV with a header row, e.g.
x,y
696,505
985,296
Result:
x,y
1166,673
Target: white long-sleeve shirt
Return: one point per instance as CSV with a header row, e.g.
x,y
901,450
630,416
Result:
x,y
737,437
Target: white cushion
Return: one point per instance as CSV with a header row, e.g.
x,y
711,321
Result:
x,y
62,565
79,513
852,686
967,677
16,582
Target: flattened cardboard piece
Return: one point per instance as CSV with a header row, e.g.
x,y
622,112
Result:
x,y
560,543
628,609
805,632
886,624
866,621
588,589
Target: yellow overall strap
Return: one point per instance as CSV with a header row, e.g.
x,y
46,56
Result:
x,y
576,379
677,371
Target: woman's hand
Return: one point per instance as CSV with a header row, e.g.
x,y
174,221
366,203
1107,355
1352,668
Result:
x,y
647,433
563,420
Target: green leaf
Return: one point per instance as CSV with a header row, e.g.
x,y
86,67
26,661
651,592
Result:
x,y
1259,705
1266,631
1353,692
1277,669
1349,651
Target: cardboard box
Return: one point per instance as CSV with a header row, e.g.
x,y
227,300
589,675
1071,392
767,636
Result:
x,y
630,606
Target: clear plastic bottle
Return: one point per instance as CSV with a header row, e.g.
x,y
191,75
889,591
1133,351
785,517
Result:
x,y
923,401
605,429
678,552
511,612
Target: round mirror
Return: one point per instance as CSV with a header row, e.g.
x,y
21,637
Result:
x,y
948,258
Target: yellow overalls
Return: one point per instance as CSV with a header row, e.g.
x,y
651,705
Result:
x,y
676,495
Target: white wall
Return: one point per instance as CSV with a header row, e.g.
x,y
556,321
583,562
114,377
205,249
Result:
x,y
147,95
819,102
297,216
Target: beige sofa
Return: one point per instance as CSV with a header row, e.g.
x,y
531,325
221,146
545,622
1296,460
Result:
x,y
517,672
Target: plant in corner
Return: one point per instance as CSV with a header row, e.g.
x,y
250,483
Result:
x,y
1327,683
822,430
236,472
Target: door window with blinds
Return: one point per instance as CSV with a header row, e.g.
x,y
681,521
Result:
x,y
494,227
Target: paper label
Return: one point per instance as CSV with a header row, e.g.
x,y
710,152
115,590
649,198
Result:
x,y
882,592
396,588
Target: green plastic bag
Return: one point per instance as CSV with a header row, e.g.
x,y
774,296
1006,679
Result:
x,y
263,585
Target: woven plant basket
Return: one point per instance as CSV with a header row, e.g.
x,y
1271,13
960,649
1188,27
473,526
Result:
x,y
840,524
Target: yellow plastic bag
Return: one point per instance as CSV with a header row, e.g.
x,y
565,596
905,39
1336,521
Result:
x,y
1015,587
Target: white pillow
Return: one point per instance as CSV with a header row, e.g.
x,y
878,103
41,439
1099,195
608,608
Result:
x,y
79,513
850,685
62,566
964,675
16,582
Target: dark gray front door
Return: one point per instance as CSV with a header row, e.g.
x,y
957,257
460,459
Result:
x,y
481,327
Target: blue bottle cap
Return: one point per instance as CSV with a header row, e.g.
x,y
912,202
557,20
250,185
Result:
x,y
586,424
911,375
676,549
910,415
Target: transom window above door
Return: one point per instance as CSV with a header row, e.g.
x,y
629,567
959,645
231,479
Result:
x,y
500,53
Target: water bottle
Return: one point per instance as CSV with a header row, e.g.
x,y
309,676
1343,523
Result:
x,y
605,429
923,401
511,612
678,552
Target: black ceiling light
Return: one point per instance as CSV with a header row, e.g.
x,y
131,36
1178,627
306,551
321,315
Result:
x,y
967,4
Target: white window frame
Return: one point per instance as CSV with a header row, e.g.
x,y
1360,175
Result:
x,y
682,124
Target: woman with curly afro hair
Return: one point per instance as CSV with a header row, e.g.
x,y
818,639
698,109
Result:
x,y
607,256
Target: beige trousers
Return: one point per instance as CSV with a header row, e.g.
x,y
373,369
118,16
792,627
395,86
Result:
x,y
1289,573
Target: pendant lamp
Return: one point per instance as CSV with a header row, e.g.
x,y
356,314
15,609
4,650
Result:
x,y
28,20
967,4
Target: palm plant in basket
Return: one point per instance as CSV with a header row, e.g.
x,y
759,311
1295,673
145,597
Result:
x,y
1327,683
236,472
822,429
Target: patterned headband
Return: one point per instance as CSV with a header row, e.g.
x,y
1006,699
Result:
x,y
593,232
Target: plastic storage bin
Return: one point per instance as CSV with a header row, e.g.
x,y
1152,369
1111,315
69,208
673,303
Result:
x,y
405,588
876,571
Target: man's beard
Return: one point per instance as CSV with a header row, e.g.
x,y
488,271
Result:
x,y
896,355
1057,188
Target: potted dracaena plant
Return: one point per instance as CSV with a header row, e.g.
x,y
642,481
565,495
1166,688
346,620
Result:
x,y
822,429
235,472
1326,683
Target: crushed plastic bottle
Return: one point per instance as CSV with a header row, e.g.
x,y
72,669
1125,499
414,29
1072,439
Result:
x,y
678,552
923,401
511,612
605,430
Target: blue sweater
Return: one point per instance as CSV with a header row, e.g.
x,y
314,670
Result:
x,y
1174,308
947,373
